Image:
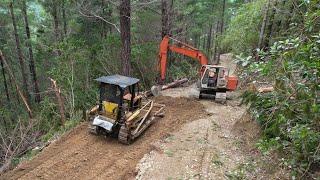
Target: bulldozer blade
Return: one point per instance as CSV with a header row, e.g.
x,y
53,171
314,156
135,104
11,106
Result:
x,y
143,128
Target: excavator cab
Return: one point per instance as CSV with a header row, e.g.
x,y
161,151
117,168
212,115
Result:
x,y
214,77
215,81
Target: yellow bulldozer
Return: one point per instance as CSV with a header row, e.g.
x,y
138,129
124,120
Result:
x,y
122,111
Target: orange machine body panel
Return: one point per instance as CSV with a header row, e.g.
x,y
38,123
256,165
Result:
x,y
232,83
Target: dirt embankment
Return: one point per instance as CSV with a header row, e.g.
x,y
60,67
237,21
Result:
x,y
80,155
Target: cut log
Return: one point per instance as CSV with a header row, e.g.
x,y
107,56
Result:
x,y
175,84
155,90
265,89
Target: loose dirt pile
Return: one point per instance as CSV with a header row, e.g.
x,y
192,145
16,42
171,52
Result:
x,y
80,155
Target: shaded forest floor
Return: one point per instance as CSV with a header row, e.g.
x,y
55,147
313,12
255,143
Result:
x,y
195,140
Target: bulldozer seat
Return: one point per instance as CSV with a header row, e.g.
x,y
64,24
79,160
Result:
x,y
110,109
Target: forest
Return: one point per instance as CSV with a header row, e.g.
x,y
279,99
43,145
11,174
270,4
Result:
x,y
52,50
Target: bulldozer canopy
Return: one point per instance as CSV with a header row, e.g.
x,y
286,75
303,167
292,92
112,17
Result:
x,y
122,81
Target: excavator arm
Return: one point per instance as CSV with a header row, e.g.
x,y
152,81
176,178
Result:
x,y
185,49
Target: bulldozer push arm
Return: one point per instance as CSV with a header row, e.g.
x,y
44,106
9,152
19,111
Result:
x,y
184,49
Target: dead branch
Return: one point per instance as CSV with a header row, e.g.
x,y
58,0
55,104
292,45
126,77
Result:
x,y
17,143
59,99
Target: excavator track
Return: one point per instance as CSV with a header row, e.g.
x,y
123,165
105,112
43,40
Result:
x,y
124,135
221,97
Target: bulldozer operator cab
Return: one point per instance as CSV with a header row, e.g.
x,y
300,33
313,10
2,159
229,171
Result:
x,y
119,112
118,95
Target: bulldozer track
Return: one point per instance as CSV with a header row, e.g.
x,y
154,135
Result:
x,y
124,135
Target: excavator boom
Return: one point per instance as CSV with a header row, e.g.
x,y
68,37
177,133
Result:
x,y
185,49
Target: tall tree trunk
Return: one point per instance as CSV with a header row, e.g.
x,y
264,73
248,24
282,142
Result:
x,y
164,18
103,25
279,22
31,59
106,14
24,99
109,14
289,17
5,80
20,55
125,10
215,60
221,31
195,41
64,18
263,26
222,16
204,42
55,20
270,26
171,17
209,40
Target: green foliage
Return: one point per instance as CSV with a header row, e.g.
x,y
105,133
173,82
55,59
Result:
x,y
57,131
289,115
143,56
183,67
242,34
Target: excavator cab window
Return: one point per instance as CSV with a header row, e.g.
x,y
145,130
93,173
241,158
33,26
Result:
x,y
210,77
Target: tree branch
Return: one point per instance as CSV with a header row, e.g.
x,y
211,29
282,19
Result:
x,y
92,15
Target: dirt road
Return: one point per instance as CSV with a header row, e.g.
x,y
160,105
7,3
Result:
x,y
207,148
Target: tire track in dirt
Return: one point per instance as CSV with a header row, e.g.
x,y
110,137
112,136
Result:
x,y
80,155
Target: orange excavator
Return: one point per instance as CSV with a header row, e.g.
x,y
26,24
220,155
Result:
x,y
214,79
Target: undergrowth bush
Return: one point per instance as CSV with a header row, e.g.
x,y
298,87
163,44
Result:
x,y
289,115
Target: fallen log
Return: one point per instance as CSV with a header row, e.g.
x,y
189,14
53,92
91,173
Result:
x,y
155,90
265,89
175,83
